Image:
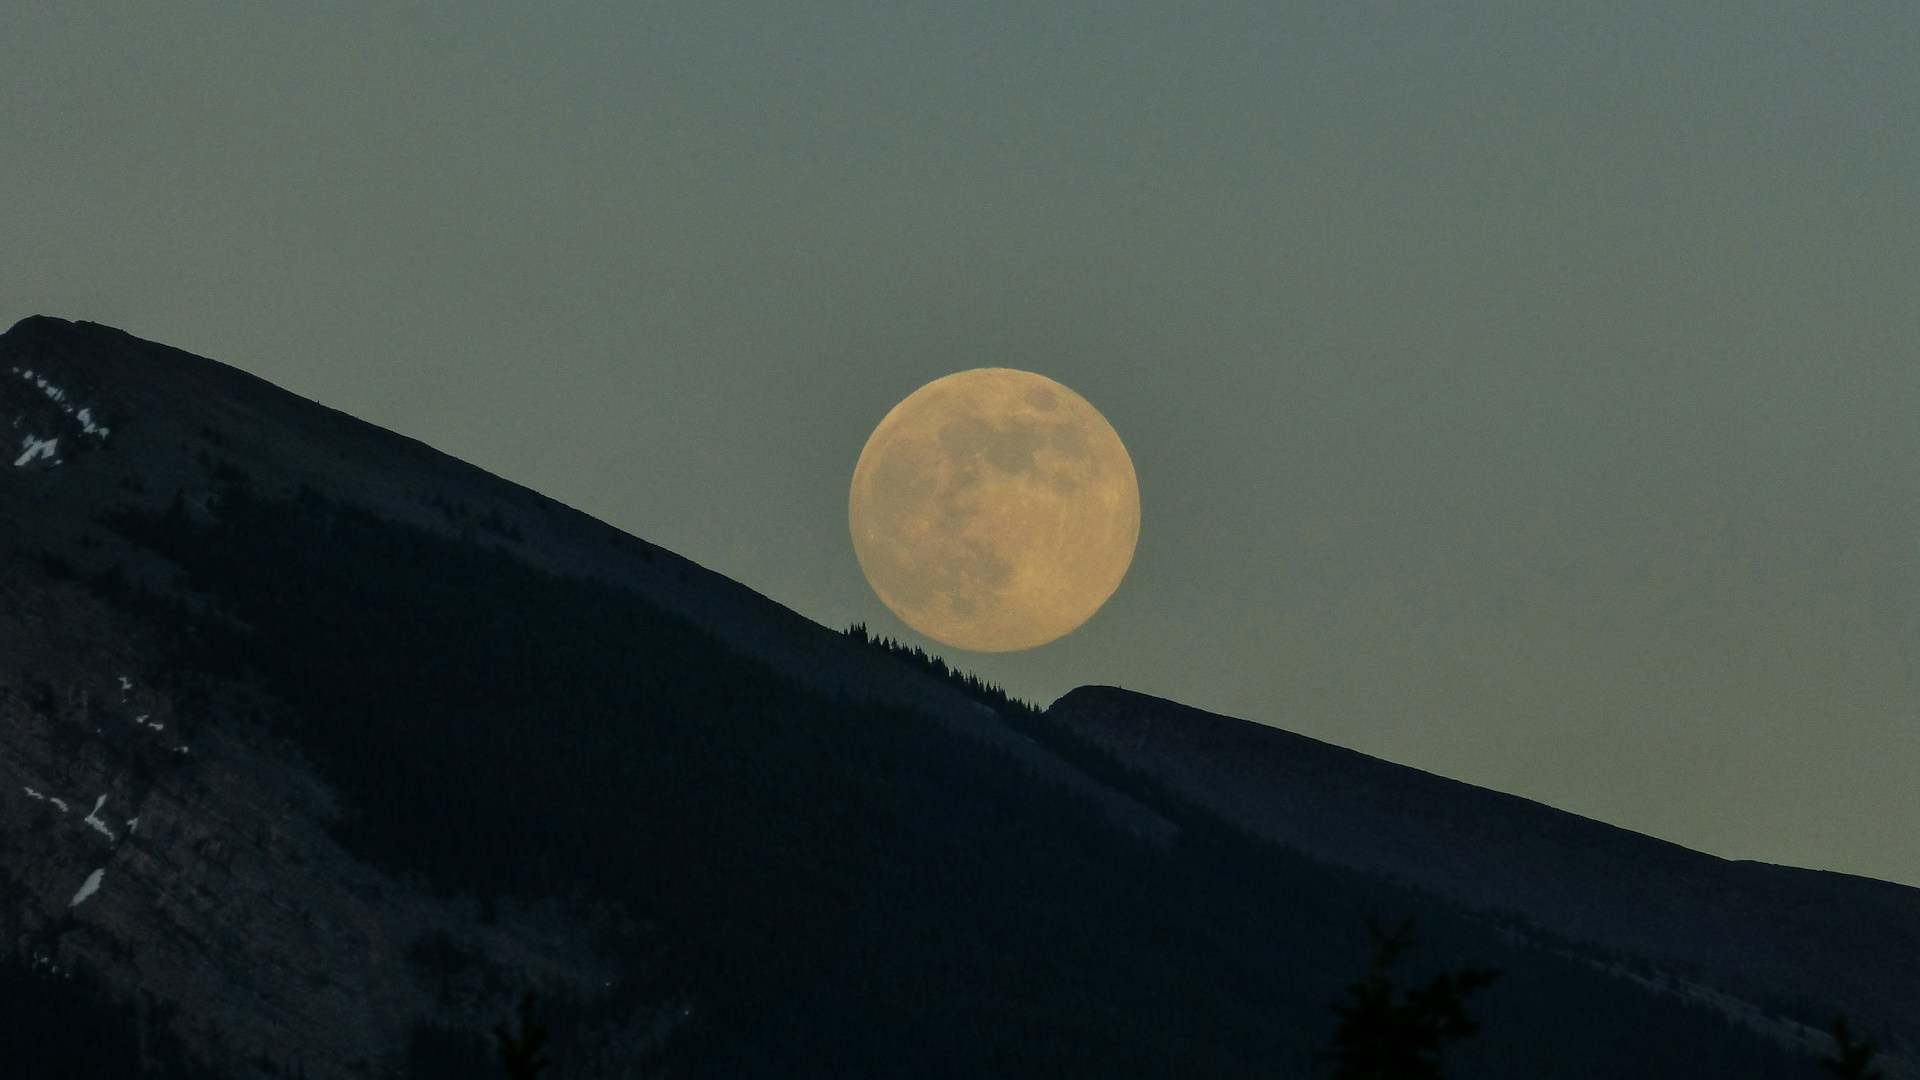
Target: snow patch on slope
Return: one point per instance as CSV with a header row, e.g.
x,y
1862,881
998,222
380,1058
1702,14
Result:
x,y
93,819
81,414
88,887
33,449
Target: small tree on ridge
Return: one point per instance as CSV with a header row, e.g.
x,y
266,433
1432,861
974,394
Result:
x,y
1390,1032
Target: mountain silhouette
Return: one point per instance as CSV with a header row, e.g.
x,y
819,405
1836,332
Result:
x,y
1761,933
319,749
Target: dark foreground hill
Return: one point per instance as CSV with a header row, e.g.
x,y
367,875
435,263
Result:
x,y
316,747
1789,940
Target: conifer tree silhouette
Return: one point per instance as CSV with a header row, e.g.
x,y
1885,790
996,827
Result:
x,y
1852,1056
523,1052
1387,1032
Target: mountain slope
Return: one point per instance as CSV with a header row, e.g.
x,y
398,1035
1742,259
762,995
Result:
x,y
1770,935
316,746
168,422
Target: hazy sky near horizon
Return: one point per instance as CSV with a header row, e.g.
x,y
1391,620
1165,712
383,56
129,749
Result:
x,y
1527,393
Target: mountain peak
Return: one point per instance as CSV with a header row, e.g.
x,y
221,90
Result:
x,y
35,324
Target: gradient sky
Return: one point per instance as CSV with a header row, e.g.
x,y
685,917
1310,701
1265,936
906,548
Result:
x,y
1528,393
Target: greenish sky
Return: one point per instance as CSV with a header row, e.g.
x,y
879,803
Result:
x,y
1525,392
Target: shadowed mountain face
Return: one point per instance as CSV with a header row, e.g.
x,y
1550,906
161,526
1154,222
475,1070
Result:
x,y
1762,933
317,746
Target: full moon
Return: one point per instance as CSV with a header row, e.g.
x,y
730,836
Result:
x,y
994,510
